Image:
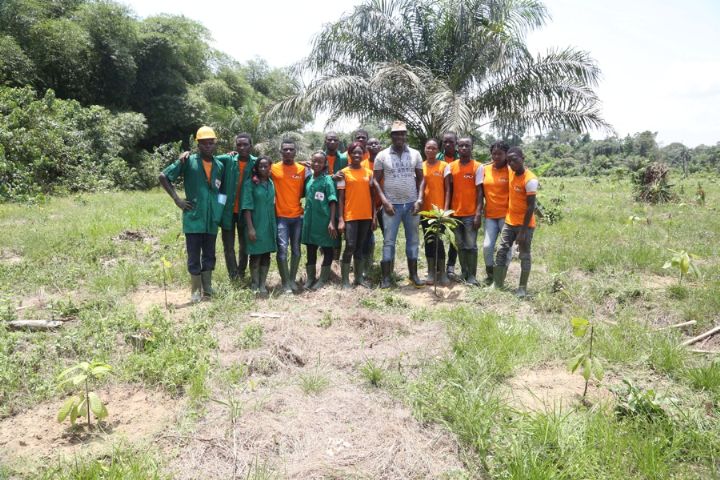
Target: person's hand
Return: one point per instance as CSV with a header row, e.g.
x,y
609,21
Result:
x,y
184,156
255,179
339,176
305,163
183,205
332,230
341,226
233,153
374,225
388,208
252,236
477,222
416,207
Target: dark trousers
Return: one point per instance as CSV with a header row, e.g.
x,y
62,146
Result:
x,y
228,238
430,242
507,238
260,260
356,232
200,252
312,255
452,256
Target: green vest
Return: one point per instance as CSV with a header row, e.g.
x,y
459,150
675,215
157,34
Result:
x,y
207,210
260,200
230,183
341,161
319,192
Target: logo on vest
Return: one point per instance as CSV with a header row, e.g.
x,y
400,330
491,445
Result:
x,y
319,196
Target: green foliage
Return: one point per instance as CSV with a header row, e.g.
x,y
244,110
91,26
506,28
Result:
x,y
651,184
374,374
251,336
633,401
705,377
123,463
85,401
587,362
441,225
313,382
683,262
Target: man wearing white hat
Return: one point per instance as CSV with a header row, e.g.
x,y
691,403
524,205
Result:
x,y
398,169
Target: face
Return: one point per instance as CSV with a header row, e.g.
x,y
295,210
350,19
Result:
x,y
361,138
288,152
449,143
373,146
464,147
516,161
207,146
331,142
499,157
398,139
243,146
263,168
431,150
356,156
317,162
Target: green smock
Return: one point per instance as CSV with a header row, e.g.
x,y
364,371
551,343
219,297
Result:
x,y
319,192
207,211
230,183
260,199
341,161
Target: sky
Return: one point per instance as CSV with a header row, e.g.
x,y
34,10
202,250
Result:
x,y
660,61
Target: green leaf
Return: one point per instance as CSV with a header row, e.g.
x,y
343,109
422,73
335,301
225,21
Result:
x,y
74,414
598,371
78,379
587,369
100,370
66,409
667,265
575,362
579,326
82,409
68,370
96,405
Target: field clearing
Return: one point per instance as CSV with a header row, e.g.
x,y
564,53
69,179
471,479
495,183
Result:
x,y
369,383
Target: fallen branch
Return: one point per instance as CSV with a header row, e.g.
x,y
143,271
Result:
x,y
703,336
35,325
265,315
678,325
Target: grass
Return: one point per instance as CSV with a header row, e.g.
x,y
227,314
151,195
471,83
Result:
x,y
372,373
251,336
314,382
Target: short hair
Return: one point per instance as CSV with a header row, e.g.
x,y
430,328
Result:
x,y
319,152
330,133
361,130
468,137
243,135
256,170
517,150
353,146
451,134
501,145
432,140
288,141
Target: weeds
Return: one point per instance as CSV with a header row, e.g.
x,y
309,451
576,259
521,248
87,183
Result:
x,y
705,378
373,373
314,382
251,336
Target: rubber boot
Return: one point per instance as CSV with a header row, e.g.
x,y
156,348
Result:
x,y
462,260
386,268
471,262
255,276
359,268
489,273
412,274
242,266
432,272
522,289
345,274
324,277
311,272
262,287
366,267
442,277
284,276
450,273
499,274
206,277
195,288
294,265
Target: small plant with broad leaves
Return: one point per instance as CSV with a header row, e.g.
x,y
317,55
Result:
x,y
441,225
587,362
84,401
683,262
633,401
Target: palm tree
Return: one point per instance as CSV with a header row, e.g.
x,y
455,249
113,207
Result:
x,y
445,65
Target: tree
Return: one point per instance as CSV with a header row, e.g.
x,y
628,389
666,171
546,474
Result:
x,y
444,65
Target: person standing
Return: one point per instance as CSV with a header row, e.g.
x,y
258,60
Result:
x,y
373,147
260,234
319,230
449,154
289,180
463,194
432,193
336,160
357,215
519,222
398,169
202,208
495,199
237,170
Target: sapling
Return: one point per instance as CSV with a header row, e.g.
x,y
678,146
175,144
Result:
x,y
441,225
588,361
165,264
683,262
84,401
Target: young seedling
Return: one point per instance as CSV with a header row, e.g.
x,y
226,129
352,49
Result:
x,y
588,362
683,262
441,225
84,401
164,265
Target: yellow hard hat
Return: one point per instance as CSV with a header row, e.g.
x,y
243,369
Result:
x,y
204,133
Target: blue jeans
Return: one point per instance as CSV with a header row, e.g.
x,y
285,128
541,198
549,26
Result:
x,y
411,224
465,234
493,227
289,231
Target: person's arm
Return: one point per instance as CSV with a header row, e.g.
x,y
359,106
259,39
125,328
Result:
x,y
378,176
448,191
479,174
331,226
170,189
419,177
252,236
373,194
530,189
421,196
341,207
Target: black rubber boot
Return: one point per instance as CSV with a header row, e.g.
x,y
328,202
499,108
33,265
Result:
x,y
345,274
324,277
522,289
255,276
242,266
443,279
311,272
386,268
359,270
432,272
284,276
262,288
489,271
471,262
499,274
195,288
294,266
412,274
206,277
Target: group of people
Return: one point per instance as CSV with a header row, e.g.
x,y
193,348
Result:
x,y
348,196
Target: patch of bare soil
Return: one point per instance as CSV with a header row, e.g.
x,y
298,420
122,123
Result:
x,y
657,282
136,236
10,257
345,432
35,435
551,387
147,297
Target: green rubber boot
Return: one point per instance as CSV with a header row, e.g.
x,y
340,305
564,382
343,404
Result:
x,y
255,276
359,269
294,266
206,278
499,274
345,274
522,289
324,277
311,272
471,260
242,266
432,272
462,260
489,272
262,287
195,288
442,276
284,276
